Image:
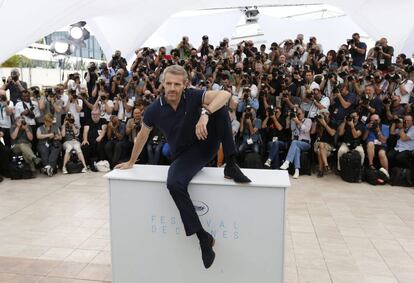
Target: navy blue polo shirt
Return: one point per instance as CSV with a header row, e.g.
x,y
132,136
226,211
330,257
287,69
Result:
x,y
178,126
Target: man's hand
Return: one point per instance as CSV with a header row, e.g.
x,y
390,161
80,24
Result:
x,y
85,142
201,127
125,165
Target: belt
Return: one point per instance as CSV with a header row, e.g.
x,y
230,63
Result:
x,y
307,141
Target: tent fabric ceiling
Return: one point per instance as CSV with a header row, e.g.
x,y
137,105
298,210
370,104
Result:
x,y
127,24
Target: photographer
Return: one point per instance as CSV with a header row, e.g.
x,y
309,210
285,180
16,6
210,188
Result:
x,y
393,107
205,48
319,102
117,62
383,54
403,87
277,135
133,126
117,82
306,91
105,105
380,84
247,100
28,110
351,131
15,86
325,131
116,148
300,127
123,105
249,131
376,137
357,49
70,133
6,114
22,138
342,103
49,145
401,155
91,76
94,139
184,47
74,106
370,103
51,103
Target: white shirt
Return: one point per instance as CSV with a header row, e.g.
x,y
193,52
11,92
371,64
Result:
x,y
105,115
20,108
123,115
5,121
74,111
325,101
408,86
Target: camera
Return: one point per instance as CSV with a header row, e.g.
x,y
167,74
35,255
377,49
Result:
x,y
350,41
292,114
375,125
377,48
365,99
386,101
348,118
69,118
3,98
370,77
35,90
319,117
23,122
398,121
270,111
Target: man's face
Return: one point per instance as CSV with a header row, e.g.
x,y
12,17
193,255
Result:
x,y
26,97
95,116
309,77
408,121
374,118
355,37
369,91
173,86
137,114
282,59
118,53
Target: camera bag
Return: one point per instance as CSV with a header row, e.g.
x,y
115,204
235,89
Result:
x,y
74,165
19,169
351,169
401,177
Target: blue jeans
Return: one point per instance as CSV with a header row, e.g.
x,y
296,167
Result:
x,y
274,148
296,147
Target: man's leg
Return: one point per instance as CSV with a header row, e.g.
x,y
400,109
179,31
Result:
x,y
180,173
370,153
219,128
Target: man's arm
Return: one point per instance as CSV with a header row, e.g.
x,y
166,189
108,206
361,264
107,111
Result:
x,y
139,143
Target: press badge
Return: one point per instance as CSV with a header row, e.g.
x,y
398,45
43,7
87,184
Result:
x,y
47,144
382,61
274,139
250,141
364,119
377,142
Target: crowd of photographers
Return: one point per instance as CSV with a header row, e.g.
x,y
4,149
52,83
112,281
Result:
x,y
287,98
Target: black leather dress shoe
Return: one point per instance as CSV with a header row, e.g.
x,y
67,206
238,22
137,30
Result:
x,y
207,253
233,172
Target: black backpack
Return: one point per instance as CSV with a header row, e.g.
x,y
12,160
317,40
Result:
x,y
253,160
401,177
351,169
19,169
374,177
74,165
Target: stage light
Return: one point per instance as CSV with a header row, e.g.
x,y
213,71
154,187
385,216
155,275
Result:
x,y
62,48
77,33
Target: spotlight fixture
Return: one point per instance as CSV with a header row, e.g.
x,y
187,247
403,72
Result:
x,y
62,47
77,33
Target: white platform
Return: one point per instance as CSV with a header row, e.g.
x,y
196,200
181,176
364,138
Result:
x,y
148,241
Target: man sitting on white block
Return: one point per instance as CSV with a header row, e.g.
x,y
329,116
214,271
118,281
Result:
x,y
194,123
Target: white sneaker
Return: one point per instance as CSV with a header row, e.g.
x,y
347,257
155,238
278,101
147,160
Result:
x,y
84,170
383,170
268,163
285,165
64,171
296,175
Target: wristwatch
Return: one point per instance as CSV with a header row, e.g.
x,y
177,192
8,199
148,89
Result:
x,y
205,111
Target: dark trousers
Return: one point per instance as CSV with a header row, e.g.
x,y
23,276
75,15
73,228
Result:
x,y
93,152
6,137
49,154
154,152
115,150
192,160
5,157
401,159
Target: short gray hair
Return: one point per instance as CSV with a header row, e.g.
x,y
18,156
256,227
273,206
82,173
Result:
x,y
175,70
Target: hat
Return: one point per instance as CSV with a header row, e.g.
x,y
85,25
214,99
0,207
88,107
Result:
x,y
314,86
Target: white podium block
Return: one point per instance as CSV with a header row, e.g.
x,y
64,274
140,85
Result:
x,y
148,240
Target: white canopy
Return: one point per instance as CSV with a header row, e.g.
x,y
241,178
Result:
x,y
127,24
